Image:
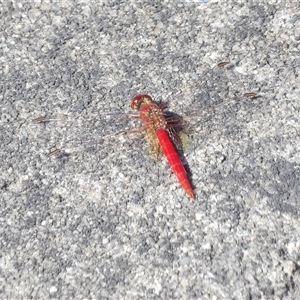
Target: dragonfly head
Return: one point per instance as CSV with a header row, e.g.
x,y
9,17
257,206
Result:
x,y
138,100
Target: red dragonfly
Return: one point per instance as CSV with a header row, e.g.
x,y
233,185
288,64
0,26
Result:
x,y
165,133
159,130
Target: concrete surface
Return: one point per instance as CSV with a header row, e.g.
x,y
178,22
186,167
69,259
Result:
x,y
108,221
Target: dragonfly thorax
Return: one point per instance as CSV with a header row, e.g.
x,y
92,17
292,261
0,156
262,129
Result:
x,y
152,116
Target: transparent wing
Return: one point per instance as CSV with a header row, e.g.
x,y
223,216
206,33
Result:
x,y
76,132
200,101
185,130
210,90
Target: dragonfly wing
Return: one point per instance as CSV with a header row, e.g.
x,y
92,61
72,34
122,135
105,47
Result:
x,y
73,132
152,142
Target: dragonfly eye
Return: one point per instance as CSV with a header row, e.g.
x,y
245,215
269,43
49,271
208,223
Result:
x,y
138,100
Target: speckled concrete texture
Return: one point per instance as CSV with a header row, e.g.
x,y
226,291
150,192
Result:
x,y
107,221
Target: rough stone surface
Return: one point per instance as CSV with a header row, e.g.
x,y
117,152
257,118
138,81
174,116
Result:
x,y
105,220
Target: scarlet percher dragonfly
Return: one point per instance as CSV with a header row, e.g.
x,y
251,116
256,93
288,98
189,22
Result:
x,y
164,132
159,130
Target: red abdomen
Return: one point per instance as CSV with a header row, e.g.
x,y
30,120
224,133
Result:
x,y
174,160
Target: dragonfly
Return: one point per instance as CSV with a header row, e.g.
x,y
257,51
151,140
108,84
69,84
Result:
x,y
161,132
165,132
